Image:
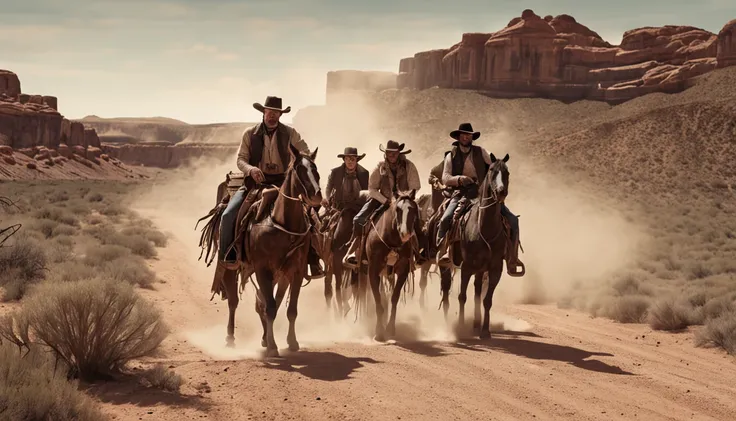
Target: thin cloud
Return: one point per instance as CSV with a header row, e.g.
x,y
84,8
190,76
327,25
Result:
x,y
212,51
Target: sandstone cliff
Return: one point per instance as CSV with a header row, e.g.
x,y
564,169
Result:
x,y
167,155
560,58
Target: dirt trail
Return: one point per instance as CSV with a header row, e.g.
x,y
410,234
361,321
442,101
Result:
x,y
547,364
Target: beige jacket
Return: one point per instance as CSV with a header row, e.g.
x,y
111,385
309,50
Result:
x,y
270,151
374,182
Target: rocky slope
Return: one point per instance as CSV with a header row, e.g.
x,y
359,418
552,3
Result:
x,y
560,58
36,141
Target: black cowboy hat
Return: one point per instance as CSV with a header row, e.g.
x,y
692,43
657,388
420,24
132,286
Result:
x,y
350,151
272,103
394,146
464,128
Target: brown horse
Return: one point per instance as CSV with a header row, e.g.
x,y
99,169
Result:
x,y
275,249
336,238
482,243
391,233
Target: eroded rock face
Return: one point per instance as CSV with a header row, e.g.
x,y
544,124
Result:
x,y
163,155
558,57
9,83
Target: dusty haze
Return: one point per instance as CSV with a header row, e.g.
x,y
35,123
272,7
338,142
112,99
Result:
x,y
568,237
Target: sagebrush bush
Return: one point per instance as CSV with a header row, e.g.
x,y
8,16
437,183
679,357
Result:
x,y
31,389
22,262
95,326
669,314
720,332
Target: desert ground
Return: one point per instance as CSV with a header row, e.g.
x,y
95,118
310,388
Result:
x,y
627,311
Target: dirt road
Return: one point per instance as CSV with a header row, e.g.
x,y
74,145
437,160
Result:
x,y
548,364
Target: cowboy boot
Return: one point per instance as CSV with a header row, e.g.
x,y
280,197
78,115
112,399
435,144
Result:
x,y
315,269
443,252
350,258
512,258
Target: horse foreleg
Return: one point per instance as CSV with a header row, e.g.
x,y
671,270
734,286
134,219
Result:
x,y
445,284
374,275
423,275
265,283
337,270
328,288
401,272
478,284
291,311
462,297
230,280
494,276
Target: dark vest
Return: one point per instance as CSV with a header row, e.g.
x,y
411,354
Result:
x,y
256,145
400,179
458,163
337,175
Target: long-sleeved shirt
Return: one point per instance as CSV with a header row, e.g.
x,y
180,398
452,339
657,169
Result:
x,y
468,168
374,182
271,160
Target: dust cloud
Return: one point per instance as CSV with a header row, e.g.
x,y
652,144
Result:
x,y
568,237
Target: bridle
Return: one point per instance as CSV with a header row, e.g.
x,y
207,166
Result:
x,y
494,198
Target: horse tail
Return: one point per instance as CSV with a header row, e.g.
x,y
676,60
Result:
x,y
209,239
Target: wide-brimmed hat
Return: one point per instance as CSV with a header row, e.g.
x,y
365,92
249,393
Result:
x,y
394,146
350,151
464,128
272,103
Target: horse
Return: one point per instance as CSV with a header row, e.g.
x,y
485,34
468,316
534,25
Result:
x,y
482,244
274,236
392,232
336,238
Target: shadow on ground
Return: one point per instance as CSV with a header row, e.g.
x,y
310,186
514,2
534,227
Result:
x,y
129,390
318,365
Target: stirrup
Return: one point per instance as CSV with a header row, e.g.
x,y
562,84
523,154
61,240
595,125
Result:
x,y
513,269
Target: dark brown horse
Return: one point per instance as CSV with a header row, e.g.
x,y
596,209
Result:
x,y
335,240
482,243
275,249
391,233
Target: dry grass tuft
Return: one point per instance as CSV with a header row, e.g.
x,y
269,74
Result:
x,y
162,378
720,332
22,262
668,314
95,326
30,389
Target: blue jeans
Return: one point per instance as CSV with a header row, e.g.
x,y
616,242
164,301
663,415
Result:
x,y
362,217
227,224
446,220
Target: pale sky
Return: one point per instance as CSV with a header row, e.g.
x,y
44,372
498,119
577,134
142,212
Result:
x,y
209,60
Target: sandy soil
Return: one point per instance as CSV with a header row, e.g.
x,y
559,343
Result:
x,y
544,363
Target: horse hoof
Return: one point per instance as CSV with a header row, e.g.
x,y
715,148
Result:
x,y
230,342
264,343
294,346
380,337
272,353
486,334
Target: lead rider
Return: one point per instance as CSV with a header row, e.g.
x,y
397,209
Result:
x,y
262,157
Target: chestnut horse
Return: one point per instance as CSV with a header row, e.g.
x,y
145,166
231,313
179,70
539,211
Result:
x,y
392,232
276,247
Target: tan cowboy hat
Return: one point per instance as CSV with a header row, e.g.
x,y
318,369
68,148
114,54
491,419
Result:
x,y
464,128
272,103
350,151
394,146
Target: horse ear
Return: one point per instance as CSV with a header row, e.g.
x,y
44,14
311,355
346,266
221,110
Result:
x,y
294,151
413,195
493,157
506,158
313,156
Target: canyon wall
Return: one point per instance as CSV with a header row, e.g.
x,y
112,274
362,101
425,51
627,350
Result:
x,y
561,58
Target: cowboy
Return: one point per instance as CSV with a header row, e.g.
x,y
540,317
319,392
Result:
x,y
346,181
263,157
394,174
465,167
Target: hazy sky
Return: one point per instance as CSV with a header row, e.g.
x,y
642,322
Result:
x,y
208,60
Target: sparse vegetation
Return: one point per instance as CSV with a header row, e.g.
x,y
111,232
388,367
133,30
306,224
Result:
x,y
162,378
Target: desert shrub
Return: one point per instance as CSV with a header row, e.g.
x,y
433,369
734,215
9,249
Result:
x,y
95,197
95,220
697,270
715,307
95,326
58,196
44,226
668,314
22,262
57,214
72,270
63,230
628,309
131,269
720,332
112,210
30,389
101,255
149,233
162,378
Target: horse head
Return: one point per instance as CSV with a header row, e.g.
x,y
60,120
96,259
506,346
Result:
x,y
305,177
496,182
407,214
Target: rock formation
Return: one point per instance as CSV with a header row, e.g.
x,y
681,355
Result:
x,y
167,155
343,81
560,58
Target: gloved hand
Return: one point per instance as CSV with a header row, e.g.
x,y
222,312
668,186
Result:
x,y
257,175
464,180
